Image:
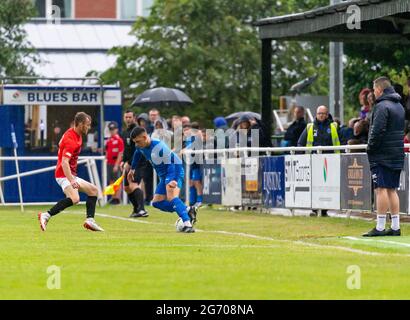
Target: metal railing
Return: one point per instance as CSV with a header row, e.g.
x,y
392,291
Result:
x,y
243,151
89,161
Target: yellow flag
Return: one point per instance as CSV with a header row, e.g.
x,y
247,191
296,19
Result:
x,y
114,187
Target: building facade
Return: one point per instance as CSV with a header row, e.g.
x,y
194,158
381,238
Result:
x,y
91,9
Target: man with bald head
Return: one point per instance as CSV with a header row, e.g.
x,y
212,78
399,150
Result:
x,y
322,132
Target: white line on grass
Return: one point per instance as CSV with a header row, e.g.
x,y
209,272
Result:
x,y
253,236
380,241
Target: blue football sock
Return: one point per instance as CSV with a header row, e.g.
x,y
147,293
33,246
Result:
x,y
180,208
163,205
199,198
192,196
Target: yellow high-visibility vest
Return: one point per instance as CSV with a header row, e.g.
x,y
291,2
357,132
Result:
x,y
333,133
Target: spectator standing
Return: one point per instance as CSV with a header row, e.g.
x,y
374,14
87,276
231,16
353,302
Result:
x,y
407,138
114,150
185,120
322,132
161,132
346,133
385,151
153,116
364,106
192,140
407,101
295,129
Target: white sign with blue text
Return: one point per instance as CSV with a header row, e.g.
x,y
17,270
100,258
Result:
x,y
30,95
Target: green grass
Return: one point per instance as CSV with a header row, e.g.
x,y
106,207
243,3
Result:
x,y
291,257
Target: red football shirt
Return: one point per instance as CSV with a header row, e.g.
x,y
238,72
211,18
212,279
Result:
x,y
69,147
114,146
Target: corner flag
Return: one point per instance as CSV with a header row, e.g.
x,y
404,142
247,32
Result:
x,y
114,187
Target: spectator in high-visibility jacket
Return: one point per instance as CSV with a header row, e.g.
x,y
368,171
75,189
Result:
x,y
322,132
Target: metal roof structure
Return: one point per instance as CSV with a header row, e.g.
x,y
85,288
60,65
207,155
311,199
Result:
x,y
380,20
75,47
385,21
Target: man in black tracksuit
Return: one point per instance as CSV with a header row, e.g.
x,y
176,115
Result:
x,y
296,128
144,169
385,151
132,188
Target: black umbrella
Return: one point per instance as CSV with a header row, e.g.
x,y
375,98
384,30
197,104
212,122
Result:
x,y
237,115
159,97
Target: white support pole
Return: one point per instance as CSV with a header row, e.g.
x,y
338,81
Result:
x,y
187,173
2,196
19,180
15,146
104,179
154,182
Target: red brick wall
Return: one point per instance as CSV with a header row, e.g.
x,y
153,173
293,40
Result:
x,y
96,9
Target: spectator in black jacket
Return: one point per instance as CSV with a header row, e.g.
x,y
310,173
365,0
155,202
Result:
x,y
296,128
320,131
248,123
133,189
385,150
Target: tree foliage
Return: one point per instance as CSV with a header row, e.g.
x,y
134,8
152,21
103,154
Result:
x,y
366,62
211,50
16,55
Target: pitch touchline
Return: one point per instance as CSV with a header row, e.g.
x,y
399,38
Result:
x,y
247,235
381,241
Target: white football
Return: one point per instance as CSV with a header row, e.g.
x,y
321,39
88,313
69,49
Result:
x,y
179,224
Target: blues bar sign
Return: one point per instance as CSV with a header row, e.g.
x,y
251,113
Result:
x,y
25,95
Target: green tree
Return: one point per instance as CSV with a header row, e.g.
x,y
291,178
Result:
x,y
211,50
366,62
16,54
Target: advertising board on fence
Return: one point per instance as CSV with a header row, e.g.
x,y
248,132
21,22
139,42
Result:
x,y
251,193
326,181
298,183
272,177
231,182
355,182
404,189
212,188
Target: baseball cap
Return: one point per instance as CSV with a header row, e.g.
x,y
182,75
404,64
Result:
x,y
113,125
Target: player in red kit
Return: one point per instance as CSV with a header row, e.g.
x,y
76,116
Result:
x,y
66,175
114,151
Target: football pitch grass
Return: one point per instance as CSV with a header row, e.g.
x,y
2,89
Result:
x,y
233,255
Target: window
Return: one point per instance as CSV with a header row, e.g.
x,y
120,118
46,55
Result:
x,y
44,8
128,9
65,7
131,9
40,6
146,7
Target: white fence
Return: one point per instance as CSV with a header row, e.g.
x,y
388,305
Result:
x,y
325,186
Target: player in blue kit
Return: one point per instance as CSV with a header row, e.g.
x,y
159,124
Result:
x,y
191,137
170,171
